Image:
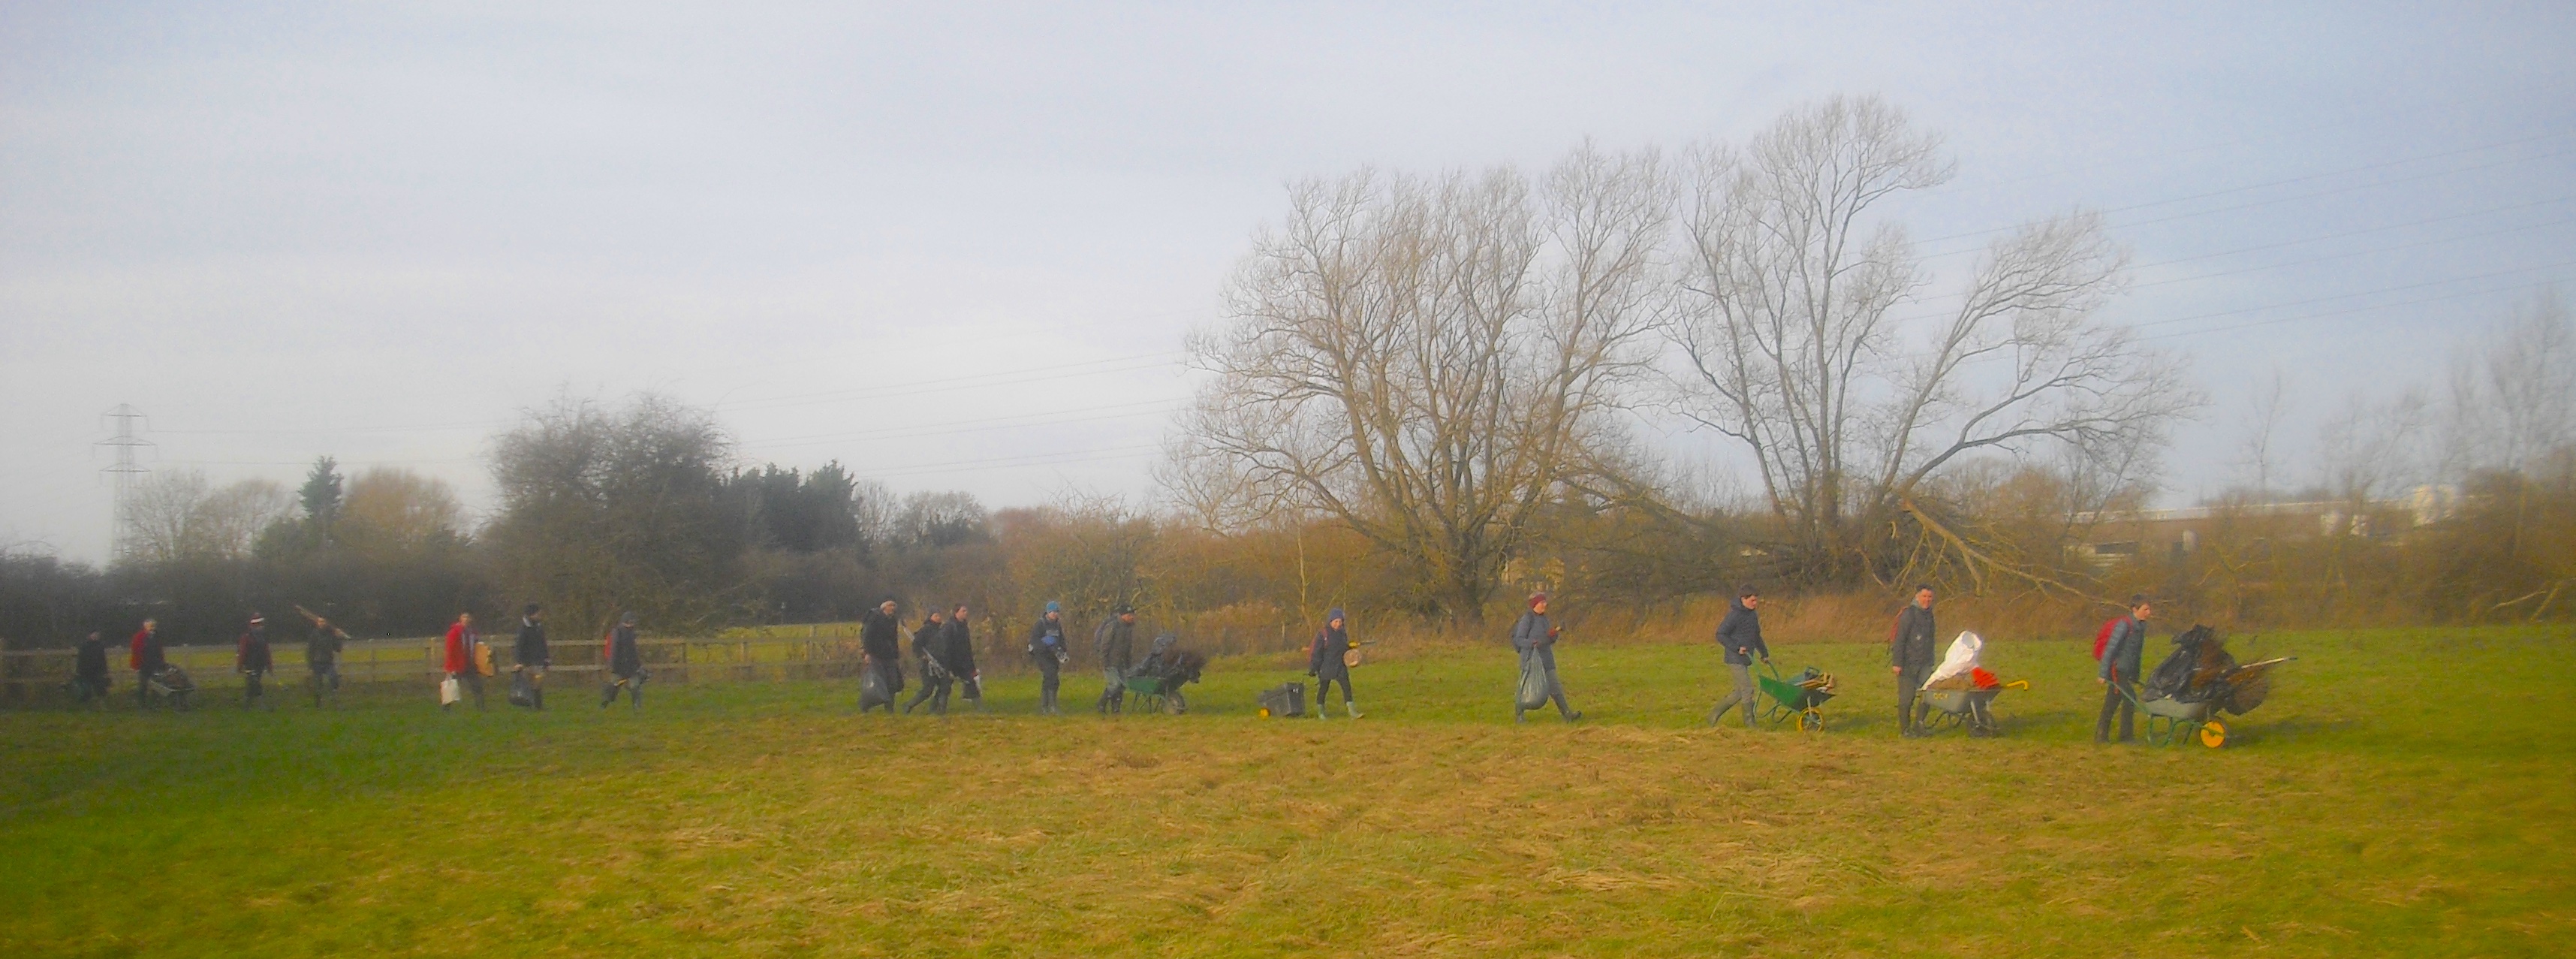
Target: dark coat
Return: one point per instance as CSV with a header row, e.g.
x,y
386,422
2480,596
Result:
x,y
2128,646
530,648
880,636
252,654
959,655
1039,634
324,648
930,645
625,656
1325,657
1911,646
1533,634
90,661
1741,630
1116,642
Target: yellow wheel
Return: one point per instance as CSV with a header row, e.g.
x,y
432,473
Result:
x,y
1265,712
1811,721
2213,734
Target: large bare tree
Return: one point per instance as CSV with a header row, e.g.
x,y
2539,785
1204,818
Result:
x,y
1791,337
1427,359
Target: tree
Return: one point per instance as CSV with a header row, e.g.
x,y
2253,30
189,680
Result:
x,y
1428,359
395,511
1788,343
175,516
320,495
611,509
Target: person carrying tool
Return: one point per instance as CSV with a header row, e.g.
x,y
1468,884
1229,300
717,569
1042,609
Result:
x,y
960,658
1909,656
322,657
147,658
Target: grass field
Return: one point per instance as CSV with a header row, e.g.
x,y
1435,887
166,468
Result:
x,y
2403,793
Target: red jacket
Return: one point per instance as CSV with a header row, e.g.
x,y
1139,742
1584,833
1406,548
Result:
x,y
460,648
134,653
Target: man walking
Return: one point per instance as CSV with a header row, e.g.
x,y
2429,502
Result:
x,y
253,659
927,643
322,658
147,658
881,649
460,667
624,655
1739,637
89,669
1047,650
1116,642
1909,655
1535,637
2121,657
530,657
960,658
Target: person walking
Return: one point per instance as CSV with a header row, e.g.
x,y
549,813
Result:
x,y
147,658
1909,656
462,641
960,658
2118,674
530,657
1535,638
253,659
927,643
1739,638
1047,650
322,658
89,669
624,654
1325,662
881,649
1115,642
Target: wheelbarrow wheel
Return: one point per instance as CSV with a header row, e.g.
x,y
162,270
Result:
x,y
2213,734
1811,721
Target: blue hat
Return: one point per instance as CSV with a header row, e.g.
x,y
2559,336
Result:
x,y
1335,614
1054,607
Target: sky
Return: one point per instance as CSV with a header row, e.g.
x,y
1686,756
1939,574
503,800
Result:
x,y
957,246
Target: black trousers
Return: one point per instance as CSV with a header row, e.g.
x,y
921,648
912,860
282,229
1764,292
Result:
x,y
1325,680
2116,696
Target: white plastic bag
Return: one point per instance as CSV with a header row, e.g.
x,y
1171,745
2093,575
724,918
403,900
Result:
x,y
448,693
1961,658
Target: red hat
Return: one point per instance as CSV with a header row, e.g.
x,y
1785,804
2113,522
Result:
x,y
1537,598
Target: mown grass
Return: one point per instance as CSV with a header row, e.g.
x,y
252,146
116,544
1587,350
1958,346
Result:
x,y
2403,793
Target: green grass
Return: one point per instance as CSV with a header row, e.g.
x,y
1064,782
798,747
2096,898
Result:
x,y
2402,793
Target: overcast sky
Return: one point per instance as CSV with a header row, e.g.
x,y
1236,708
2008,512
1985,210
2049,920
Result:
x,y
957,247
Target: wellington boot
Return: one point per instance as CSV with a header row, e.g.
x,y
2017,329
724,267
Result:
x,y
1352,708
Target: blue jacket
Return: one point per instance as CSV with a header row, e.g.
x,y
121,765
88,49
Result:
x,y
1533,634
2128,645
1741,629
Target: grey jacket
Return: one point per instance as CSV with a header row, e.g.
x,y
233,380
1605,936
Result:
x,y
1741,629
1533,634
2122,654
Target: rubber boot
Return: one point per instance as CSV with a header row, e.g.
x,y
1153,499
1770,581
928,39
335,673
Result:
x,y
537,697
635,696
1352,708
608,696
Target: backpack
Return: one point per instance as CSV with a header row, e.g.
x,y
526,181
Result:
x,y
2102,639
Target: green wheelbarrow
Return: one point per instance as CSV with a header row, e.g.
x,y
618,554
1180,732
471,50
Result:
x,y
1796,700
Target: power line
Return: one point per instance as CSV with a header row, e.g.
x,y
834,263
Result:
x,y
2354,253
2353,233
1014,462
2347,296
2462,295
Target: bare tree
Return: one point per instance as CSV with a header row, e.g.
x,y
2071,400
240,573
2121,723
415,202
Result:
x,y
1427,359
2513,397
1788,343
175,515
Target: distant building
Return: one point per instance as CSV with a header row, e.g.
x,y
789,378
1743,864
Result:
x,y
2115,537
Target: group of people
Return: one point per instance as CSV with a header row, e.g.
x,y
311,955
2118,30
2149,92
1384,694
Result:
x,y
943,650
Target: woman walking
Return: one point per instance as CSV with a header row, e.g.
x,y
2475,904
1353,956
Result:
x,y
1327,662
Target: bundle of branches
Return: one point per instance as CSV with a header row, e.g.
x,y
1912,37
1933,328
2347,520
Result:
x,y
2202,670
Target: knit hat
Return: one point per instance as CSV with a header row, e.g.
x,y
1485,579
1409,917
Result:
x,y
1335,614
628,619
1537,598
1054,607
